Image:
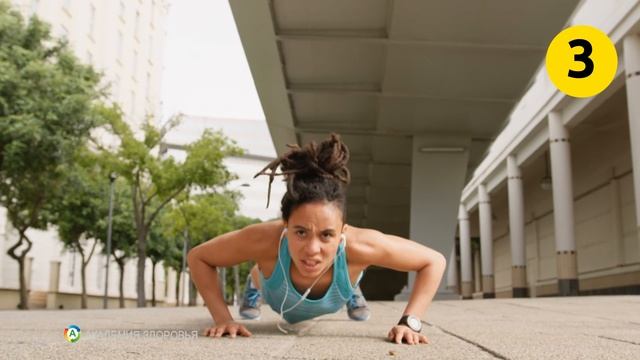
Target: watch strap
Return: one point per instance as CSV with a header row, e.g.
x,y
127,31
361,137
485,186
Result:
x,y
404,321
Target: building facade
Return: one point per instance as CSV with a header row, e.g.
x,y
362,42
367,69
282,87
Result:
x,y
554,207
124,40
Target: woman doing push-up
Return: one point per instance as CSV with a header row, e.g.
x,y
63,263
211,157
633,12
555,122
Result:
x,y
309,262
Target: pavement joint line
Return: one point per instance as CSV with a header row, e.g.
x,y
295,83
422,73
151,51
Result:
x,y
279,354
291,340
570,313
479,346
620,340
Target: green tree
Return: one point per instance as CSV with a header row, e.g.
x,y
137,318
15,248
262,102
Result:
x,y
202,217
78,207
123,231
160,247
47,100
155,180
199,218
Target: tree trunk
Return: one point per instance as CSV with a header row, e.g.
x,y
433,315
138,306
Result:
x,y
120,263
83,277
153,284
178,288
193,293
142,257
24,298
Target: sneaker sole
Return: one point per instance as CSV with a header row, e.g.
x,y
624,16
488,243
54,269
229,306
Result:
x,y
249,318
360,319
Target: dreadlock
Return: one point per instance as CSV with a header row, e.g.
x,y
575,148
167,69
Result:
x,y
314,172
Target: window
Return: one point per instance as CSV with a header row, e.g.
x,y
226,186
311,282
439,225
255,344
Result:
x,y
64,32
119,45
72,270
148,86
67,4
123,10
92,20
134,65
34,7
89,58
115,88
153,12
133,104
100,274
150,48
137,24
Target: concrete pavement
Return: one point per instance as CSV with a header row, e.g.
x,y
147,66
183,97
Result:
x,y
544,328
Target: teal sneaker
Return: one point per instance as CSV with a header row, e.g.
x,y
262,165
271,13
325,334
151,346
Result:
x,y
250,308
357,307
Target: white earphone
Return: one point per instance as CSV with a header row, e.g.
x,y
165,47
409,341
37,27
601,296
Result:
x,y
343,239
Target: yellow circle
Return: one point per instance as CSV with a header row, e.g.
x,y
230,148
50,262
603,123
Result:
x,y
581,61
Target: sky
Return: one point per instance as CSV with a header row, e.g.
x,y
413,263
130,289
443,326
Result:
x,y
206,72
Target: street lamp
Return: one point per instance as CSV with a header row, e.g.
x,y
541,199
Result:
x,y
112,180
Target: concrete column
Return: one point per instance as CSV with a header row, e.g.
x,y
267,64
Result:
x,y
438,170
563,217
632,69
54,285
452,271
465,254
516,229
617,233
477,272
486,242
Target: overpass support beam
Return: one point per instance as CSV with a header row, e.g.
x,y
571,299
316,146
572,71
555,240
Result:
x,y
438,170
632,70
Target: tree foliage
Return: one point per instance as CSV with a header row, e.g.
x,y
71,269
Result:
x,y
48,104
156,180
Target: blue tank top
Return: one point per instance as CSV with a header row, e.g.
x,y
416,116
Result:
x,y
274,288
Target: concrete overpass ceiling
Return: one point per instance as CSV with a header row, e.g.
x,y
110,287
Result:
x,y
380,71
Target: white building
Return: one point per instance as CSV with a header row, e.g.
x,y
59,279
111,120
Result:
x,y
254,138
125,41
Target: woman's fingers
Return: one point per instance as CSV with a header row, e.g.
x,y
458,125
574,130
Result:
x,y
232,330
220,331
243,331
412,338
399,335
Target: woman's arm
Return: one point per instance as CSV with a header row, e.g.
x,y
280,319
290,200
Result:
x,y
394,252
250,243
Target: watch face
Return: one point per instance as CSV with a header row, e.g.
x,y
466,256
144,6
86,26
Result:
x,y
414,323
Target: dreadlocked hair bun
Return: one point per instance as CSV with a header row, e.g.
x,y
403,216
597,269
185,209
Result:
x,y
314,172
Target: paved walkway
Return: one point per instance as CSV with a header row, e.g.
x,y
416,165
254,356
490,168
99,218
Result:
x,y
551,328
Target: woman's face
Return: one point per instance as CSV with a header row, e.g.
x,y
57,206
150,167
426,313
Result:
x,y
313,232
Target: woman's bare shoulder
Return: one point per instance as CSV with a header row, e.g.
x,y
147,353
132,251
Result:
x,y
264,236
362,243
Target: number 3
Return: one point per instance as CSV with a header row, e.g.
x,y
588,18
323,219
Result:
x,y
584,58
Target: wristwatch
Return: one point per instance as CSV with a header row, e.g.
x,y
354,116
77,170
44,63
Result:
x,y
411,322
